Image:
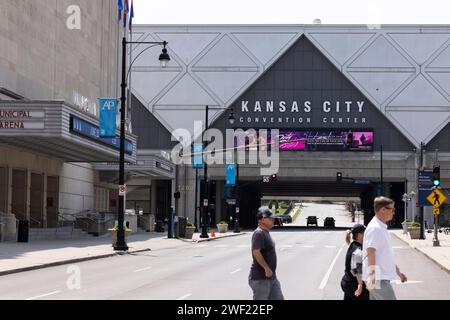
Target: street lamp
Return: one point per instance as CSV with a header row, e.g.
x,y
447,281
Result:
x,y
407,197
164,59
232,121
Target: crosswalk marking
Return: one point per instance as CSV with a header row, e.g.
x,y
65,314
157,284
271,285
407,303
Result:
x,y
236,271
398,282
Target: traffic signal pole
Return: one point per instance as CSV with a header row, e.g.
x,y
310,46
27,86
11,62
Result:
x,y
436,182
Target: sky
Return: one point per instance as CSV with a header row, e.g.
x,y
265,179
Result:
x,y
292,11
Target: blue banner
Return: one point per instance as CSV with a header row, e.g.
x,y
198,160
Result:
x,y
231,174
197,157
108,117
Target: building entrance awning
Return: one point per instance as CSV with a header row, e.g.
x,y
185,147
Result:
x,y
150,165
56,129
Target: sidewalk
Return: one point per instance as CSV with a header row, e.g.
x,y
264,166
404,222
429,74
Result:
x,y
440,255
196,238
19,257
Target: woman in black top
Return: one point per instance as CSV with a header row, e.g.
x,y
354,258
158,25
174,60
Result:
x,y
352,284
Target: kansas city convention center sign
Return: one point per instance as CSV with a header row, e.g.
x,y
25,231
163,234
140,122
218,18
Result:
x,y
301,112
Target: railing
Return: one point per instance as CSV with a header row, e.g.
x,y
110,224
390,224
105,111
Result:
x,y
36,221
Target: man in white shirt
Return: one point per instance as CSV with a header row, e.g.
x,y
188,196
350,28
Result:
x,y
379,268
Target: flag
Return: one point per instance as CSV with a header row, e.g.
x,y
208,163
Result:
x,y
131,13
125,14
120,5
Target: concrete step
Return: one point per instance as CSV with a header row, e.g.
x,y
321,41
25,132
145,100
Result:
x,y
53,234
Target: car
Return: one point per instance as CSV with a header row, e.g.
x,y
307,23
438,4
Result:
x,y
286,218
329,222
311,220
278,220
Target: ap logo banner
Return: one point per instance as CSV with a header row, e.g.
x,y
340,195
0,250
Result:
x,y
108,108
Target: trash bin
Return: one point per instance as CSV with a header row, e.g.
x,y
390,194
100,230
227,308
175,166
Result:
x,y
22,232
182,221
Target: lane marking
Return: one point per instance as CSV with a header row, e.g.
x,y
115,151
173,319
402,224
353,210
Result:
x,y
244,246
200,246
236,271
308,246
185,296
44,295
398,247
222,246
143,269
330,247
327,275
398,282
286,246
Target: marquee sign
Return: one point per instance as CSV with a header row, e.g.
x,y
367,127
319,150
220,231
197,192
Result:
x,y
91,131
21,119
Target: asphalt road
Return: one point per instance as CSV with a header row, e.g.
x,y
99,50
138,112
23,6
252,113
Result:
x,y
341,216
310,266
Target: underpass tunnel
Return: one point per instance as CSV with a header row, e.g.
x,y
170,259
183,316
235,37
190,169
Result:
x,y
336,195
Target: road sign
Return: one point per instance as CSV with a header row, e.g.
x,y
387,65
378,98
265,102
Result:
x,y
436,198
436,211
266,179
122,190
361,181
425,181
231,201
205,202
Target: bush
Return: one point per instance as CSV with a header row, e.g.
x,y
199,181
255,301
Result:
x,y
190,224
413,224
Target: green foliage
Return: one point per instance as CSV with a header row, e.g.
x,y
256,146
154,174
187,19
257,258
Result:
x,y
413,224
222,222
190,224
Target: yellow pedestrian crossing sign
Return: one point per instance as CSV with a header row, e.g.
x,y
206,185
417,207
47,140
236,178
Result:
x,y
436,211
436,198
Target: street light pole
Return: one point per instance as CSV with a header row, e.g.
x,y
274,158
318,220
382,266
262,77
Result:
x,y
236,215
205,211
121,244
422,230
164,59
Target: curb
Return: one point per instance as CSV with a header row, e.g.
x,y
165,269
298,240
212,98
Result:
x,y
215,238
425,254
70,261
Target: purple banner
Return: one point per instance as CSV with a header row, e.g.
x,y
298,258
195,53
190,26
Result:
x,y
331,140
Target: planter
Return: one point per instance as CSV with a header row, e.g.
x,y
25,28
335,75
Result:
x,y
414,232
114,236
222,228
189,232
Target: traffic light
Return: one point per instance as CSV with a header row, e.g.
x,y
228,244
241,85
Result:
x,y
274,177
339,177
436,176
